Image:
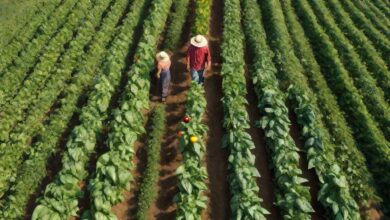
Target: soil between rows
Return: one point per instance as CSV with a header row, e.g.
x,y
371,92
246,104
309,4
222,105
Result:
x,y
216,157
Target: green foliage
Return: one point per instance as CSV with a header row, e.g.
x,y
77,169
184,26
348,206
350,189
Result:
x,y
373,97
150,175
112,174
370,141
334,192
374,62
13,143
381,42
19,21
382,6
33,170
379,20
192,174
291,72
349,158
12,75
245,202
275,121
175,24
202,16
64,191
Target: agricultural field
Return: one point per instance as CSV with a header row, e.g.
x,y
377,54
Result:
x,y
292,122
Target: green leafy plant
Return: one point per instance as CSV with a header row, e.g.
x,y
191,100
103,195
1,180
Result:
x,y
150,175
382,6
33,170
275,119
381,42
334,190
372,96
245,202
61,196
369,138
13,76
374,62
202,16
192,174
28,32
112,174
176,21
349,158
378,19
11,145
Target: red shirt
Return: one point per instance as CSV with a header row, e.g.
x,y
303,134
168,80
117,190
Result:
x,y
198,57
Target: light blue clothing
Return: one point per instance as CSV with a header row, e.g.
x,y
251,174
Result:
x,y
165,79
197,76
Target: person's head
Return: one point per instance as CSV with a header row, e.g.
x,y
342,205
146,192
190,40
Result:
x,y
199,41
162,56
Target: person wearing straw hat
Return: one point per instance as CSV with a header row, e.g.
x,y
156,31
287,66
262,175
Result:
x,y
163,73
198,58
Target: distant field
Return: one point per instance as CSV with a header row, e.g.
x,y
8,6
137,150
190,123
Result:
x,y
292,121
13,15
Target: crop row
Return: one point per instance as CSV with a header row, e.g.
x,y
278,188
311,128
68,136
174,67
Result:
x,y
61,196
49,77
334,192
112,175
373,97
370,141
245,202
53,54
26,34
384,7
380,41
292,198
147,190
201,20
192,174
291,72
374,62
175,24
33,170
12,146
15,74
372,13
349,158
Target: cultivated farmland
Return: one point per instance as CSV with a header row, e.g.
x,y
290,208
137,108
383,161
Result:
x,y
292,121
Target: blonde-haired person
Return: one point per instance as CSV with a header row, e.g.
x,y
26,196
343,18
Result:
x,y
163,73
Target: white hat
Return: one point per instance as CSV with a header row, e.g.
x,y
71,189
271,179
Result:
x,y
162,56
199,41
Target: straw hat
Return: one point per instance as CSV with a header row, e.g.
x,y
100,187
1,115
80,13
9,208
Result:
x,y
162,56
199,41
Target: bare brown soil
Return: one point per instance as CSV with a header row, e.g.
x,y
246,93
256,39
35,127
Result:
x,y
310,175
216,158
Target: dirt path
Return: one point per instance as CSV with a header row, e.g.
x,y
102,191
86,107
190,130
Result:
x,y
164,207
216,159
307,174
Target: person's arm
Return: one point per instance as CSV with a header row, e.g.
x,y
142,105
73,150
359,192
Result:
x,y
188,59
158,71
208,62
